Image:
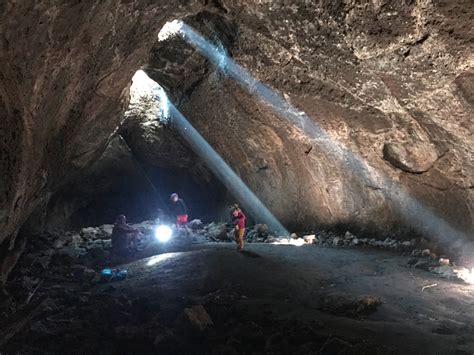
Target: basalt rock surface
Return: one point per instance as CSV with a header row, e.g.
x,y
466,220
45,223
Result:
x,y
392,81
65,68
373,75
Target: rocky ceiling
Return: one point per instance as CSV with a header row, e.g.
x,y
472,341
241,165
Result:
x,y
391,80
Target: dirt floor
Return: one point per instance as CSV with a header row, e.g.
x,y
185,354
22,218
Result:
x,y
209,298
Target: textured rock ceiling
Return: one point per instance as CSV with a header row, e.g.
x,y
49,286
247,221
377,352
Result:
x,y
391,80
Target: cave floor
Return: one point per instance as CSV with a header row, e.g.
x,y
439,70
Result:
x,y
267,299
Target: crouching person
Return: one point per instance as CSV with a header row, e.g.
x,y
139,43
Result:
x,y
238,220
124,236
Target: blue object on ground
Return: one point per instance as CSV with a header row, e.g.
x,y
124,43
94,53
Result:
x,y
108,274
121,274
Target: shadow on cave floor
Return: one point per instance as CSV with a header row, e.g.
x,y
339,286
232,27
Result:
x,y
209,298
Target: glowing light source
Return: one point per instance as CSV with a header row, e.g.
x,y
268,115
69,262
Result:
x,y
170,29
467,275
163,233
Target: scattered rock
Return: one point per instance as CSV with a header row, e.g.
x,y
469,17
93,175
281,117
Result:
x,y
197,317
309,239
195,224
216,231
348,236
445,271
443,261
343,306
107,229
261,229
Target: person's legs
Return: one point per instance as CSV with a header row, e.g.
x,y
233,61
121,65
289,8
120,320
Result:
x,y
236,237
241,238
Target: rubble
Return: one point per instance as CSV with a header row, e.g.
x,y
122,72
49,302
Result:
x,y
197,317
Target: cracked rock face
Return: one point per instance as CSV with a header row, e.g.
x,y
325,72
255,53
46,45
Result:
x,y
392,81
380,74
65,68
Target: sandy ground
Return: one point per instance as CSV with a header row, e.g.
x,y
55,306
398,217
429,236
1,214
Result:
x,y
274,299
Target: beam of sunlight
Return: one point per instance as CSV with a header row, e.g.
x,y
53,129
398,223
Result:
x,y
414,213
223,172
143,85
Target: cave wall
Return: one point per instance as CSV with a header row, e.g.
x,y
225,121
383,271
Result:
x,y
65,68
114,184
390,80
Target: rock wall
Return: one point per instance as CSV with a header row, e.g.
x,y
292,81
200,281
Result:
x,y
65,67
393,81
390,80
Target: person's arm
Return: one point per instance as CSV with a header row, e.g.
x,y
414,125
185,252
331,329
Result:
x,y
128,228
235,221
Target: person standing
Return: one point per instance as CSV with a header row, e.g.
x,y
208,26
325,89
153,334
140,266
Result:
x,y
238,220
180,211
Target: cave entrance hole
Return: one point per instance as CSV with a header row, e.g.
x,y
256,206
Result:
x,y
150,99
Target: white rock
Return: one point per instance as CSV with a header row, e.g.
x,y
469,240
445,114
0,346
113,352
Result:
x,y
443,261
309,238
59,243
355,241
348,235
336,241
107,228
89,231
425,252
195,224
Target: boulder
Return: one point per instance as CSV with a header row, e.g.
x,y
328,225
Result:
x,y
197,317
309,239
216,231
410,157
195,224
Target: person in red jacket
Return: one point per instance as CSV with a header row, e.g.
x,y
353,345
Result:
x,y
238,220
